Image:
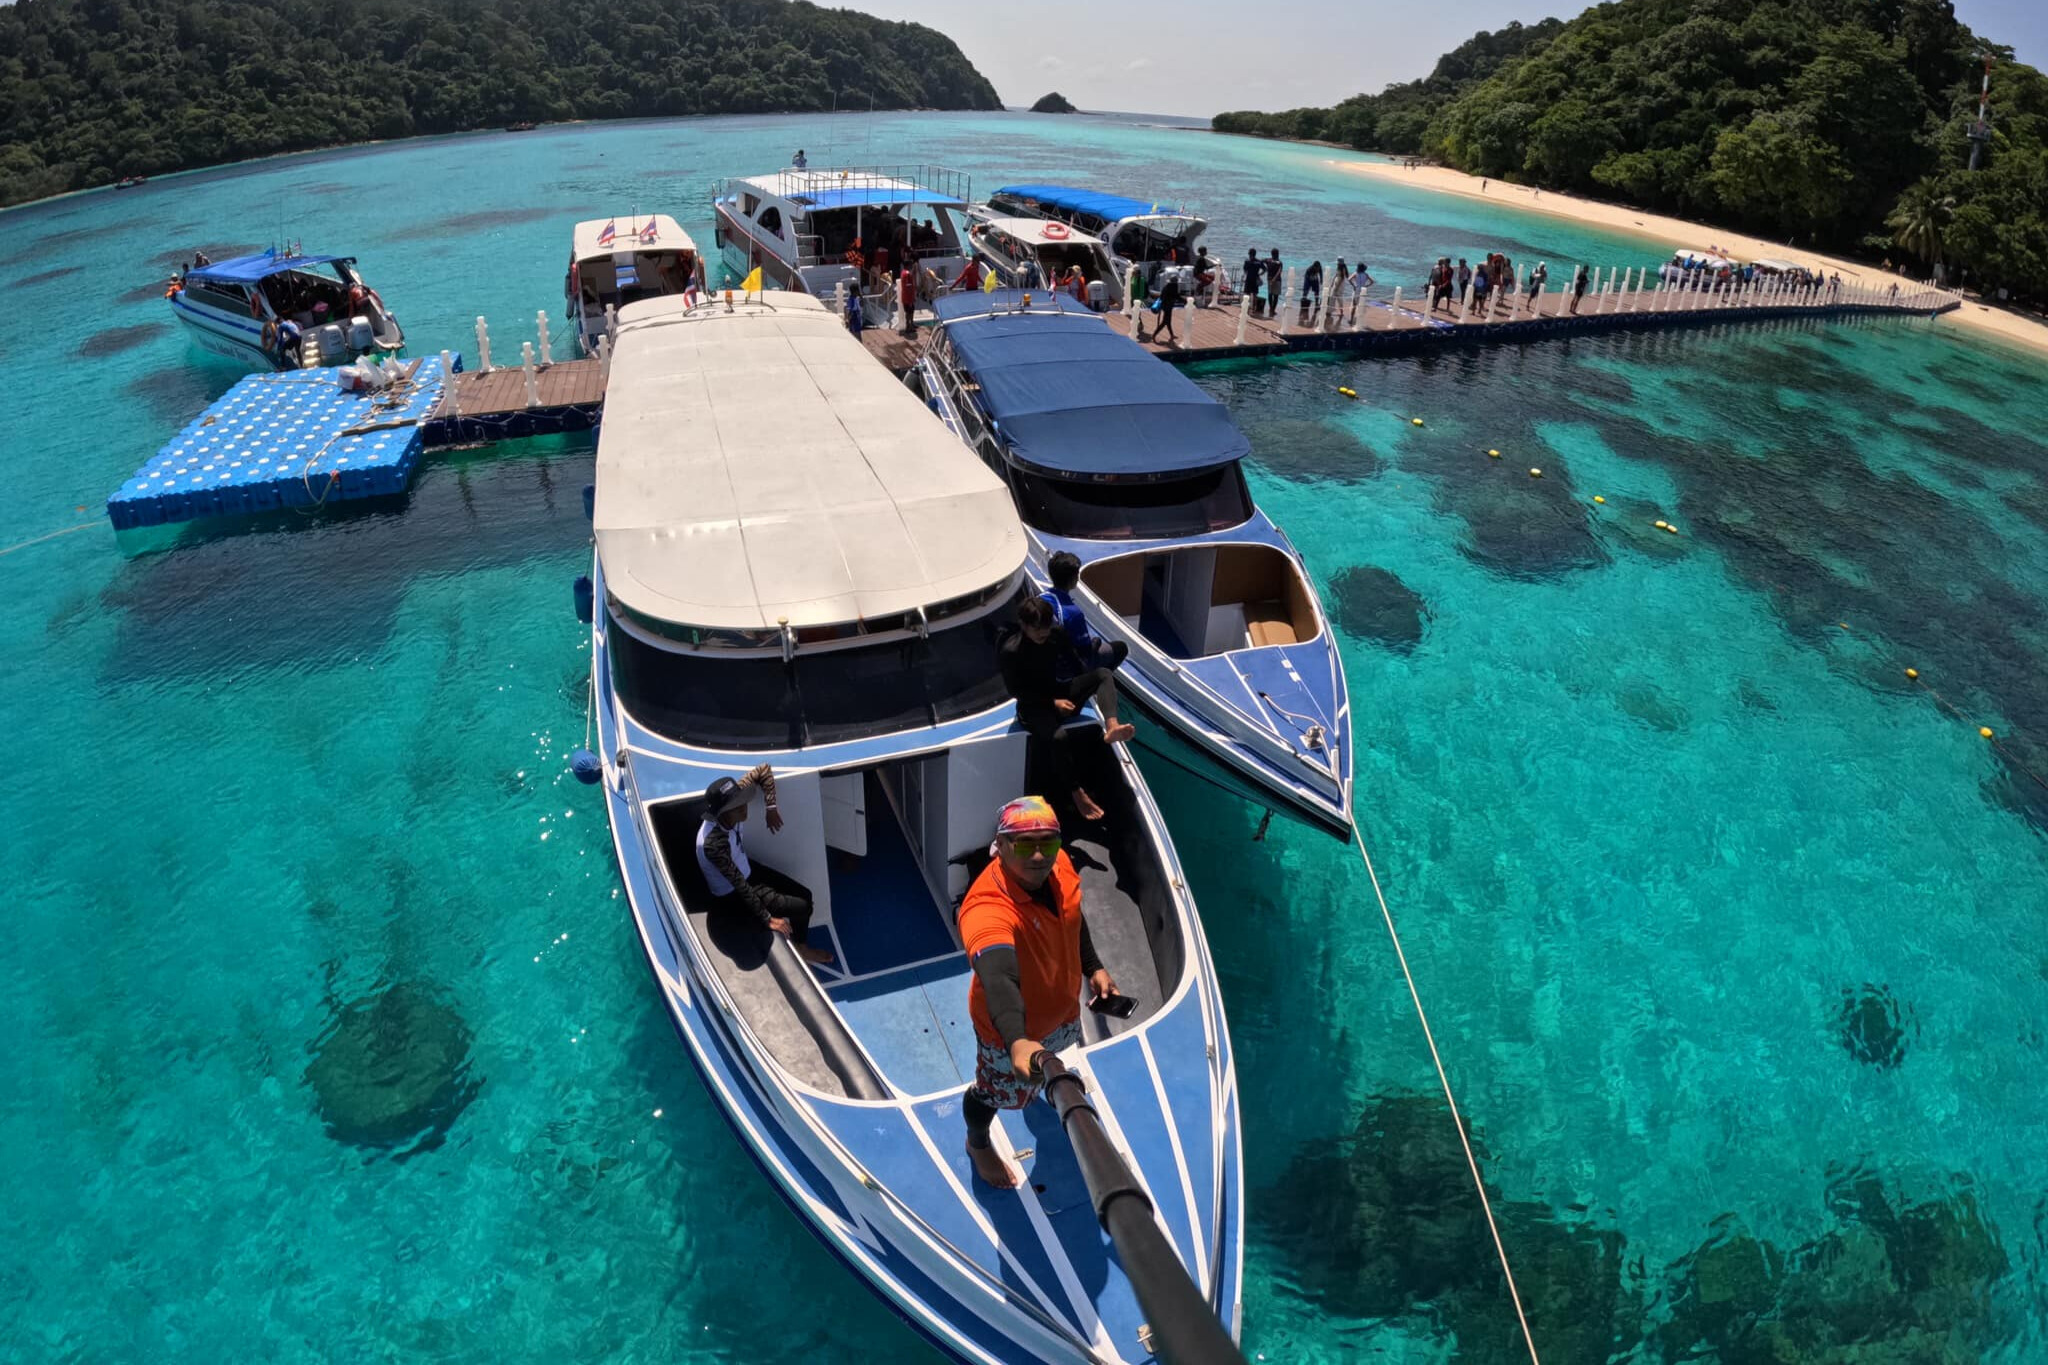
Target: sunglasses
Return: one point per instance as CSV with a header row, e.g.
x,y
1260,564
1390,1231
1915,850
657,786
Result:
x,y
1030,845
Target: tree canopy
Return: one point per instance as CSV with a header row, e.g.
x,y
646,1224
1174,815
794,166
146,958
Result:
x,y
94,90
1837,123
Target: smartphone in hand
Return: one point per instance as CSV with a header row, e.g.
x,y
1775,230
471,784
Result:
x,y
1117,1006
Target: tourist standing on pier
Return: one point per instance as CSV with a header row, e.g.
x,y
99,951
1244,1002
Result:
x,y
1311,288
1254,271
906,293
1578,287
1360,282
1537,278
1169,299
1464,278
1481,282
1276,283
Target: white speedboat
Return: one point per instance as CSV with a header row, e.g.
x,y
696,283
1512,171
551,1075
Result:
x,y
1011,247
1148,236
1119,459
614,262
237,308
798,565
816,231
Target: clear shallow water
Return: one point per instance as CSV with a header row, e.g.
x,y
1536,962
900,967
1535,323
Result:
x,y
331,1036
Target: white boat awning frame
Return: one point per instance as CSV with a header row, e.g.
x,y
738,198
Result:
x,y
758,466
627,236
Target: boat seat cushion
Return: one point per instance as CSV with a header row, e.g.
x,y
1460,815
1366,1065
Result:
x,y
1268,623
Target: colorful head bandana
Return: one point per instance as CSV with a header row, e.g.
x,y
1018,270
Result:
x,y
1027,814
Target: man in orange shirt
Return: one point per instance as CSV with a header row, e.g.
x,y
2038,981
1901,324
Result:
x,y
1022,928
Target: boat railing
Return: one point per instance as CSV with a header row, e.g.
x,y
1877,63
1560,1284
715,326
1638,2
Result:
x,y
1183,1326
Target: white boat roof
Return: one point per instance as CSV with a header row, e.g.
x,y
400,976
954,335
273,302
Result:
x,y
759,465
627,229
1777,265
843,189
1032,230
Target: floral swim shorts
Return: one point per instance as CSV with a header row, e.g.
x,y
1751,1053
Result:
x,y
995,1082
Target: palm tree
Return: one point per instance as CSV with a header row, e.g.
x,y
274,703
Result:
x,y
1918,218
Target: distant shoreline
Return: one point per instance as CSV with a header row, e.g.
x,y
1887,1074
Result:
x,y
2008,325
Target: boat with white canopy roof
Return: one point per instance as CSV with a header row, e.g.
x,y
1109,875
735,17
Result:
x,y
798,565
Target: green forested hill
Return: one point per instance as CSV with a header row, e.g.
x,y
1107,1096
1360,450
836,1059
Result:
x,y
1835,123
92,90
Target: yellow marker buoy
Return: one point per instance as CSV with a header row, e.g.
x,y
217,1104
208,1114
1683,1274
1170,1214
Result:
x,y
1416,420
1663,526
1494,453
1913,673
1535,473
1349,393
1985,731
1672,529
1843,624
1598,498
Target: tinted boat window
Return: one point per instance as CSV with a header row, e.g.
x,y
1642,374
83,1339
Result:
x,y
1189,505
723,701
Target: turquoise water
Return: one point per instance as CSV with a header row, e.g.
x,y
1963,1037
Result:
x,y
331,1038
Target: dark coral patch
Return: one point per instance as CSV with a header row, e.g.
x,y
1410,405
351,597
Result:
x,y
44,277
115,340
1311,452
1874,1028
1373,604
392,1071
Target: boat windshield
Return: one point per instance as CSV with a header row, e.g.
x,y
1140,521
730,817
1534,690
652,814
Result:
x,y
1194,504
723,701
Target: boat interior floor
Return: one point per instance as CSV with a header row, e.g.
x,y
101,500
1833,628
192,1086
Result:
x,y
899,979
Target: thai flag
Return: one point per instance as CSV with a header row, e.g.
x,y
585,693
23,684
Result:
x,y
649,233
611,231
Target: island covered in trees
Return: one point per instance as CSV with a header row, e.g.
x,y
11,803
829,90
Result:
x,y
1843,124
92,91
1054,103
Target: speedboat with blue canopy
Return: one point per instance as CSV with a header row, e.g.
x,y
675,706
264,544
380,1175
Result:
x,y
282,309
797,565
1135,232
1118,458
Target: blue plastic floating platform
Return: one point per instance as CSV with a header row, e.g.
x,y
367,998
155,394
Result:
x,y
293,439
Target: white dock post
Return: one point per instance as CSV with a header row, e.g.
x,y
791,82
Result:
x,y
839,298
1394,313
526,363
1279,307
1244,312
1131,299
611,319
447,367
1215,284
1465,305
604,357
483,345
547,355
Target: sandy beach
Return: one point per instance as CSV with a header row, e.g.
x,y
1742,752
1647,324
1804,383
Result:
x,y
2013,327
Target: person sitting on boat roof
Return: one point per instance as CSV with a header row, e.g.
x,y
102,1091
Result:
x,y
799,161
1030,658
200,258
1089,649
1022,927
778,903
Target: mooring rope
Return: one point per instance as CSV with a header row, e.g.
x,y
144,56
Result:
x,y
37,540
1443,1078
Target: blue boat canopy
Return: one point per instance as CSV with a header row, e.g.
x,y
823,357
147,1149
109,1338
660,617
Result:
x,y
253,268
861,196
1071,397
1109,207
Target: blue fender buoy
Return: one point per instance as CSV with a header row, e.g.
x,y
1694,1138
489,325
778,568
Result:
x,y
590,502
587,766
586,598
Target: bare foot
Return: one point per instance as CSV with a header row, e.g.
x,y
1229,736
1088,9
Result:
x,y
994,1168
816,956
1085,804
1117,734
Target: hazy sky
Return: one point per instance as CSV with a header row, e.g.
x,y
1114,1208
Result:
x,y
1202,56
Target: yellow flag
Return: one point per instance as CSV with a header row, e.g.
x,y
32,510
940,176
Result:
x,y
752,283
988,282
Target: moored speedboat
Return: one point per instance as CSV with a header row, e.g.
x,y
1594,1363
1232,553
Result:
x,y
611,265
1148,236
815,231
283,310
798,565
1007,246
1119,459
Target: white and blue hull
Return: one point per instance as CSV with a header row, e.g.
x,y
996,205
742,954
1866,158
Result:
x,y
882,1183
239,339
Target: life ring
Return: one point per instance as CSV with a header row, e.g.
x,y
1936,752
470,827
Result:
x,y
1057,231
255,304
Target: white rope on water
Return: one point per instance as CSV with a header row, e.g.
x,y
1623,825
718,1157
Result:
x,y
1443,1078
37,540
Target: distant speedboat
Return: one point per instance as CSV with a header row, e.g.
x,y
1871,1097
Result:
x,y
237,308
796,564
616,261
1120,459
1149,236
813,230
129,182
1007,245
520,127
